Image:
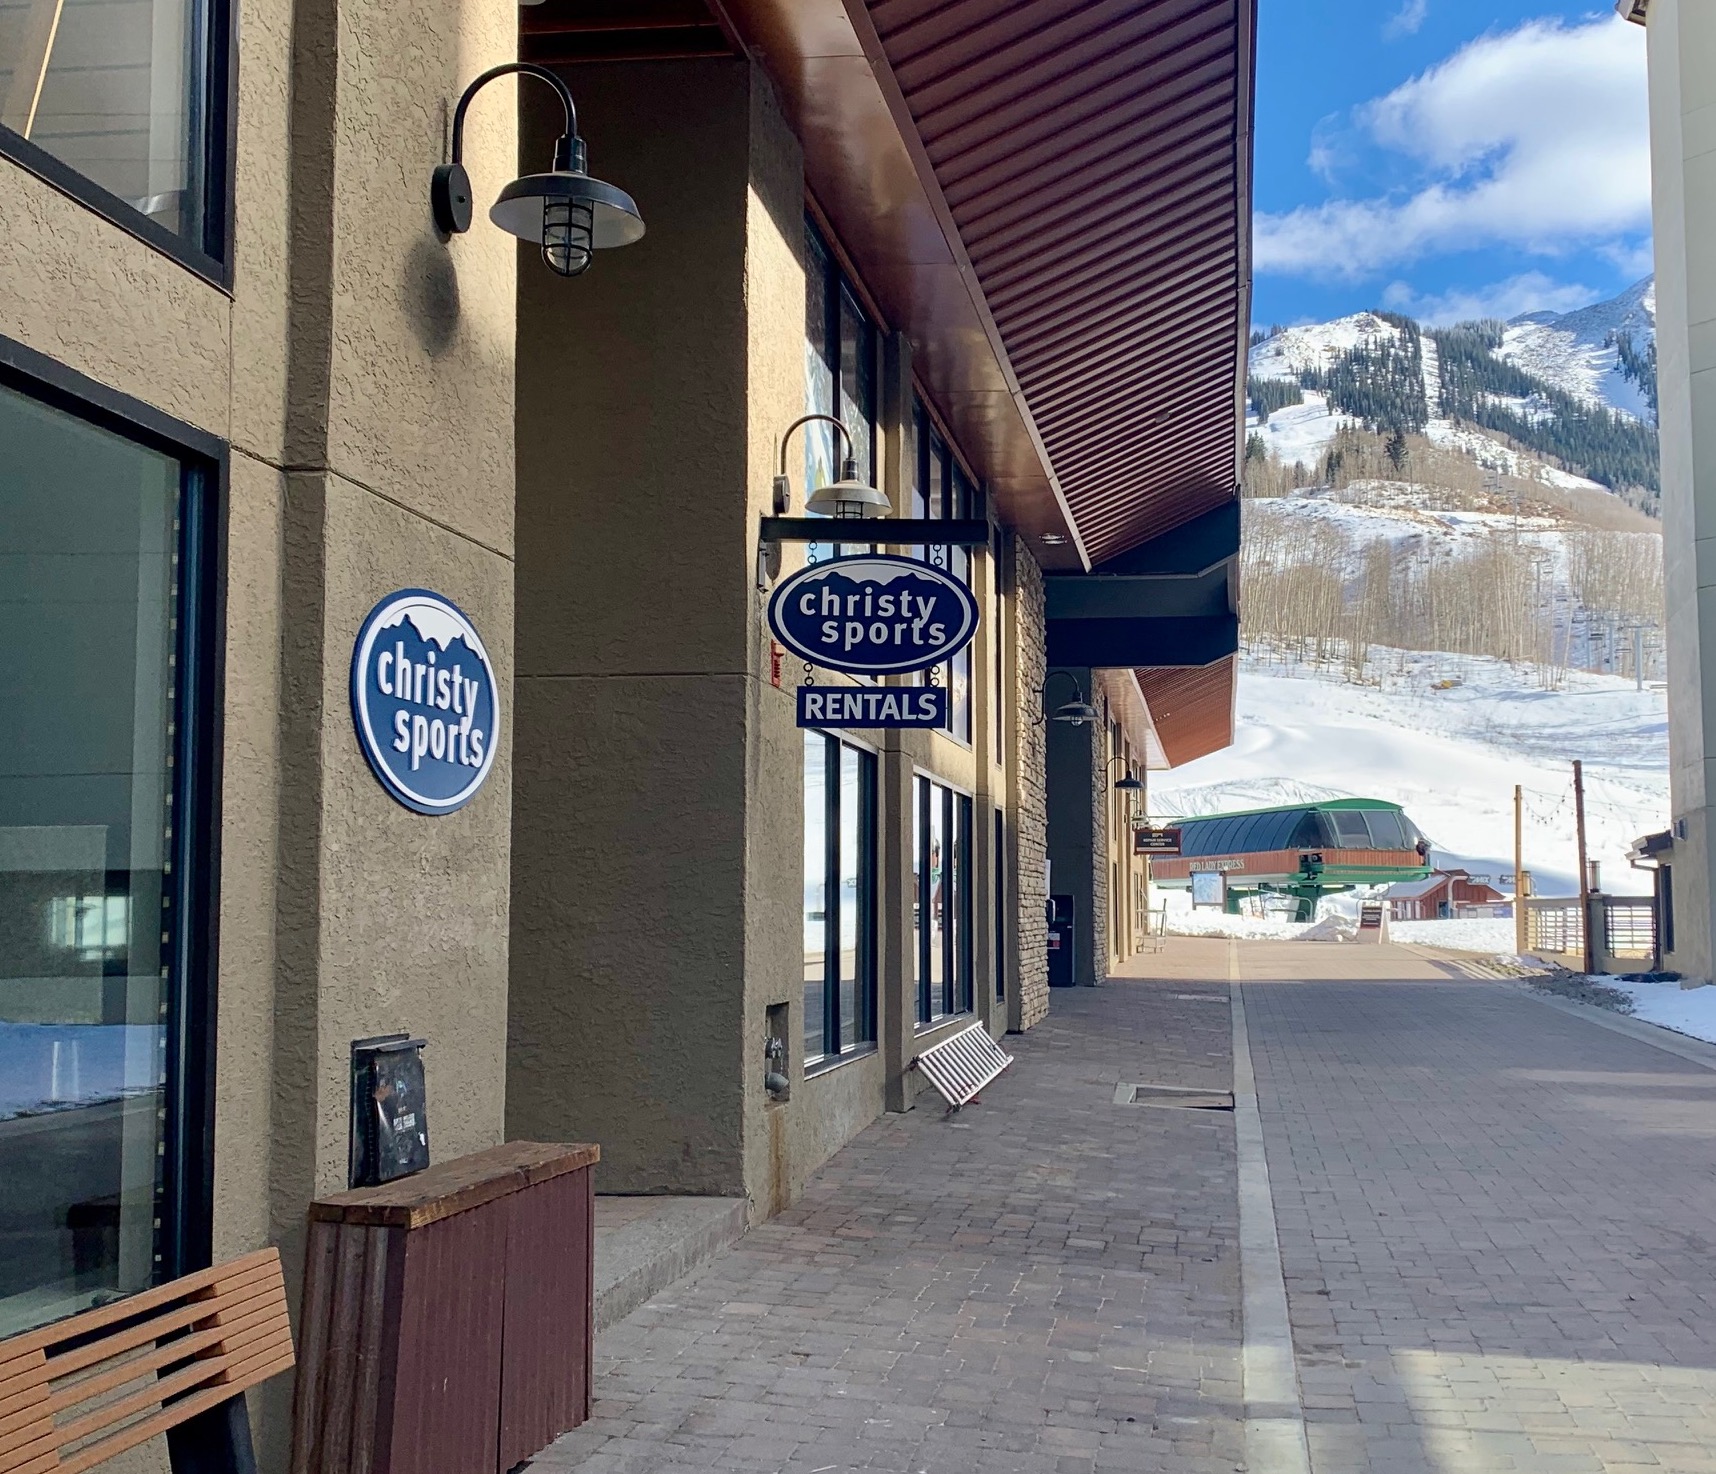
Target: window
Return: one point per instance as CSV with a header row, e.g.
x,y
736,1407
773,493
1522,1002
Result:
x,y
1000,864
121,102
941,490
103,889
941,875
999,705
839,898
1351,832
1386,830
840,375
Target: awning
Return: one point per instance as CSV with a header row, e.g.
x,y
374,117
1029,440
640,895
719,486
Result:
x,y
1051,198
1192,709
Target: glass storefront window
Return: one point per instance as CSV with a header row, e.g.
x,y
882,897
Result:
x,y
942,845
839,897
815,891
941,490
840,376
92,585
123,93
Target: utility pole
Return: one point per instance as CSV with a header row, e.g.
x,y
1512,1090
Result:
x,y
1584,866
1638,657
1521,937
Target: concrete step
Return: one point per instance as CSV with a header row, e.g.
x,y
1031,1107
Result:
x,y
646,1243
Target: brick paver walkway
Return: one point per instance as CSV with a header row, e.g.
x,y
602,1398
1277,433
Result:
x,y
1047,1283
1497,1226
1496,1223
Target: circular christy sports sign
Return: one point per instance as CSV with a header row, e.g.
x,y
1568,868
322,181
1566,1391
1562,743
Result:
x,y
425,701
873,615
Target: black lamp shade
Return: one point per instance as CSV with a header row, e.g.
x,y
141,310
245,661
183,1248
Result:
x,y
520,210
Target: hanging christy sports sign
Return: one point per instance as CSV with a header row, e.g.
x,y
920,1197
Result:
x,y
873,615
425,701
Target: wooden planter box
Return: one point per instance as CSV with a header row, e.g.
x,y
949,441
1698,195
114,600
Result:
x,y
446,1322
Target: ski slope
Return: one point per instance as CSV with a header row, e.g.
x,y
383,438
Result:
x,y
1450,757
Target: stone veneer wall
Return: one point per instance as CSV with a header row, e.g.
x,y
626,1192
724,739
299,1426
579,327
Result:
x,y
1031,810
1101,775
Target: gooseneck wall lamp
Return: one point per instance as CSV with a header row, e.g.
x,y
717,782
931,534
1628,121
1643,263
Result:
x,y
1076,713
566,212
847,497
1126,783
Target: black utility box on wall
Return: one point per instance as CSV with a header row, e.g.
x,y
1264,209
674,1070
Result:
x,y
390,1115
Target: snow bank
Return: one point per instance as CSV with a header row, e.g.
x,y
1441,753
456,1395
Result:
x,y
1334,928
1685,1010
1460,934
1219,924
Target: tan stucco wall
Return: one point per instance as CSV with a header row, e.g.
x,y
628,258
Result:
x,y
658,834
362,373
1682,49
636,691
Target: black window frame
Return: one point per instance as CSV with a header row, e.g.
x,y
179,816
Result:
x,y
865,1031
958,985
185,1242
212,159
839,291
962,497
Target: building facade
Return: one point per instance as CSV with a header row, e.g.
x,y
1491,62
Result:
x,y
1682,50
249,392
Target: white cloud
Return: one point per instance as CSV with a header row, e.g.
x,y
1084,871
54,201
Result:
x,y
1531,291
1536,139
1406,20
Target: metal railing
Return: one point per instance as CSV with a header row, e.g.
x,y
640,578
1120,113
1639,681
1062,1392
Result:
x,y
1629,926
1554,925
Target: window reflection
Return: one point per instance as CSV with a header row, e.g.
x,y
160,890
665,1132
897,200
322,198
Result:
x,y
839,897
840,377
815,890
942,491
88,567
117,90
942,827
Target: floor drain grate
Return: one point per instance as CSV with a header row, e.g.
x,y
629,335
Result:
x,y
1176,1097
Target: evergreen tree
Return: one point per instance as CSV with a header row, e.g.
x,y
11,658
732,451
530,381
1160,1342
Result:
x,y
1269,395
1639,368
1395,449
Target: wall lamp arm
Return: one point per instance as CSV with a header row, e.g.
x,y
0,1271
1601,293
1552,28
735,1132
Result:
x,y
563,150
803,420
1078,712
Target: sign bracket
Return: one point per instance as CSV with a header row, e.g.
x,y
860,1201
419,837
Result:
x,y
928,532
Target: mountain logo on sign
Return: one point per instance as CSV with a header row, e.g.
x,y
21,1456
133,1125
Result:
x,y
425,701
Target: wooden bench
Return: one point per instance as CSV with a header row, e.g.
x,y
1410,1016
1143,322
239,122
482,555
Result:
x,y
173,1359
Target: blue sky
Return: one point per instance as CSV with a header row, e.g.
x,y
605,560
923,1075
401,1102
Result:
x,y
1447,158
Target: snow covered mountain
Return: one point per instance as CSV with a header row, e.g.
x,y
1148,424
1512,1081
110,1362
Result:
x,y
1579,351
1563,399
1451,583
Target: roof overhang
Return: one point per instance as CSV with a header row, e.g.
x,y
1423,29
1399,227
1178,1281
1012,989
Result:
x,y
1167,604
1191,708
1053,202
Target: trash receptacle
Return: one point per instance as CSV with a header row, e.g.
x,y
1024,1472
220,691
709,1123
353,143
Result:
x,y
1062,947
446,1324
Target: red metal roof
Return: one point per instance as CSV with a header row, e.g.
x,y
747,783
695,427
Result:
x,y
1095,156
1191,707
